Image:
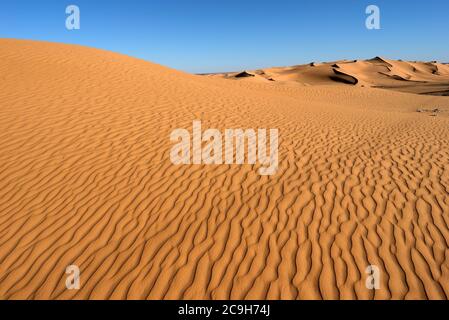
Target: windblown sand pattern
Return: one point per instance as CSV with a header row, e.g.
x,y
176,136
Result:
x,y
86,179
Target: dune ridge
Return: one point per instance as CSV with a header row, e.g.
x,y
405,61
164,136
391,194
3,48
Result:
x,y
85,179
412,77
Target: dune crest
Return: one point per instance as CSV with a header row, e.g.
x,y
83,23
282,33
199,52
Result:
x,y
86,180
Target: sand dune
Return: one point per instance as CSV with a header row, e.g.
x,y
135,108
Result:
x,y
85,179
414,77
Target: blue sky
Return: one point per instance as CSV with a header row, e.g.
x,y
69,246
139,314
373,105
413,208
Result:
x,y
225,35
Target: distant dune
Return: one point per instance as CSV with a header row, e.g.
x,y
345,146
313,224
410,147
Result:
x,y
86,180
414,77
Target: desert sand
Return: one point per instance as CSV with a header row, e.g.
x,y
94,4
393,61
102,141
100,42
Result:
x,y
86,180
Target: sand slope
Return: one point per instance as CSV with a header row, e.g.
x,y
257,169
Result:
x,y
85,179
414,77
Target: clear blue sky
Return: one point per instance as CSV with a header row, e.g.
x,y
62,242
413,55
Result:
x,y
226,35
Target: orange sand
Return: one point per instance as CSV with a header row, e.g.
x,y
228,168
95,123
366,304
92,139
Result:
x,y
85,179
